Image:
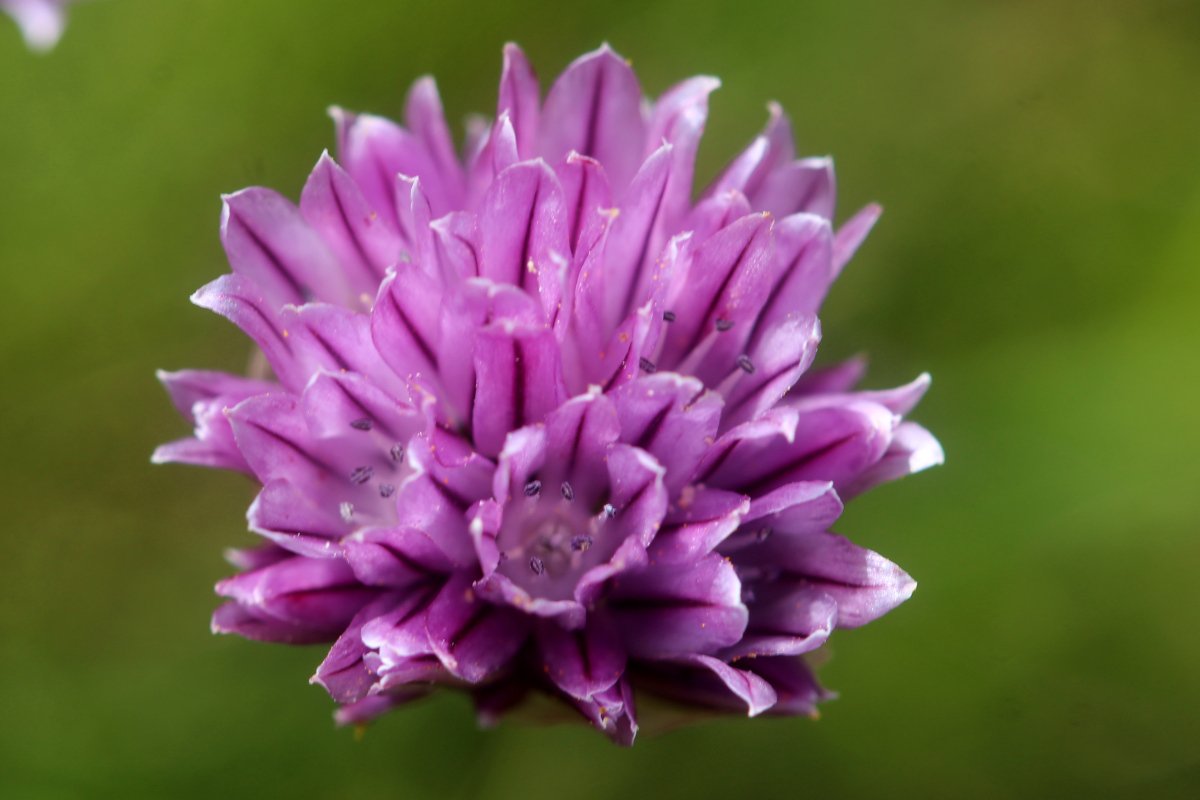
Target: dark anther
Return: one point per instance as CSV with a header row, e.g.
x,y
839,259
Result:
x,y
581,543
746,364
363,424
361,475
724,324
537,565
647,365
567,492
533,488
668,316
609,511
397,452
386,490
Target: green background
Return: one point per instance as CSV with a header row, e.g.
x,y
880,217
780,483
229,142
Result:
x,y
1039,255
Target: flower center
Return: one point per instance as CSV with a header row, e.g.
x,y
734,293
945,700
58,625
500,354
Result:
x,y
547,542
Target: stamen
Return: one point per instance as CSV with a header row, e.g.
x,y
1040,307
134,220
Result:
x,y
567,492
347,512
361,475
609,511
537,566
397,453
723,325
533,488
386,490
746,364
647,365
363,424
668,316
762,534
581,543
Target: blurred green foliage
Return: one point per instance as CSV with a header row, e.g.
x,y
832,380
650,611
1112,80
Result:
x,y
1038,163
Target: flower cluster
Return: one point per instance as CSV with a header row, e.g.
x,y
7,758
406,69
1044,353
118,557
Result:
x,y
541,422
41,21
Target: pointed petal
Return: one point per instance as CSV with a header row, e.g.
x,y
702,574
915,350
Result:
x,y
801,271
802,507
673,418
447,480
701,519
519,98
188,387
595,108
772,366
807,185
424,117
667,611
243,303
396,557
852,234
795,685
912,450
833,443
786,619
268,241
405,325
865,585
709,681
582,662
362,241
678,117
473,639
318,596
749,170
343,673
637,238
345,404
578,436
518,381
523,231
586,196
722,284
612,712
375,150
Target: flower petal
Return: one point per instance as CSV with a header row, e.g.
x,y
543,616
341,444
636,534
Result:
x,y
673,418
595,108
582,662
397,557
807,186
667,611
473,639
911,450
852,234
362,241
317,596
518,381
519,98
424,117
268,241
834,443
523,231
699,521
864,584
678,117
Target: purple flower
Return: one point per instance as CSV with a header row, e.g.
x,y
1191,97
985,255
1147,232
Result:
x,y
538,421
41,21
